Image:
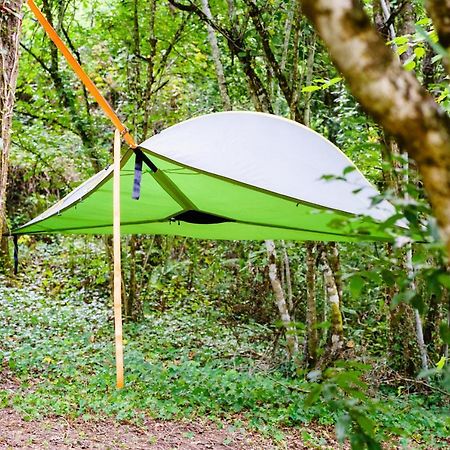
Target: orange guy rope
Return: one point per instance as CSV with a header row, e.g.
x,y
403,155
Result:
x,y
91,87
163,180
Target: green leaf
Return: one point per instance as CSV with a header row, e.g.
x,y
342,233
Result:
x,y
409,65
356,286
425,21
388,277
322,325
402,297
311,88
419,51
314,395
436,58
399,40
402,49
342,425
334,81
441,363
365,423
444,279
443,96
349,169
444,330
418,303
432,41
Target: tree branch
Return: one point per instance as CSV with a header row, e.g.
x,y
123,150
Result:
x,y
37,58
439,11
391,95
255,14
237,47
78,57
390,20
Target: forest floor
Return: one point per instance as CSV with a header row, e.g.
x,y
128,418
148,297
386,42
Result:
x,y
193,381
62,434
17,431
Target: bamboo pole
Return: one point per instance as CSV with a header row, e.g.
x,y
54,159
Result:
x,y
117,264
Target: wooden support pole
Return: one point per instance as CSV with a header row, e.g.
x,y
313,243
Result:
x,y
117,264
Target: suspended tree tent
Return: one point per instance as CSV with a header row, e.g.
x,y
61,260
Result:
x,y
234,175
231,175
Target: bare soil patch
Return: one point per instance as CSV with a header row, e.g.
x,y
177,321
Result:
x,y
58,433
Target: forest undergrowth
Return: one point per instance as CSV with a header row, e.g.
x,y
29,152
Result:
x,y
190,360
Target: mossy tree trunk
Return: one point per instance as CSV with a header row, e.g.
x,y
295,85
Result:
x,y
336,342
312,335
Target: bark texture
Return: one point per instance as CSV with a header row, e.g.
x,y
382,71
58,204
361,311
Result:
x,y
336,336
10,26
391,95
215,53
440,13
312,336
291,335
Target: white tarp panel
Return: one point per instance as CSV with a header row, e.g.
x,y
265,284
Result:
x,y
271,153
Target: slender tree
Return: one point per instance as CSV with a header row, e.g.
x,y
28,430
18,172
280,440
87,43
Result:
x,y
10,27
215,52
312,336
336,342
280,297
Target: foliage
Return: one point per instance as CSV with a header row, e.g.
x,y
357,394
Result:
x,y
179,363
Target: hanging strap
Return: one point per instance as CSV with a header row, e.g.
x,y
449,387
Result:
x,y
137,177
16,254
140,158
161,178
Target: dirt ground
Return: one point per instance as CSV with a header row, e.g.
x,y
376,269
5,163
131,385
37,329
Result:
x,y
60,434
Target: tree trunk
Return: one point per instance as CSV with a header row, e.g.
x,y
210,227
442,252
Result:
x,y
417,319
289,326
440,13
288,284
312,337
391,95
336,334
308,81
407,27
10,26
215,52
335,264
